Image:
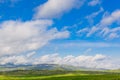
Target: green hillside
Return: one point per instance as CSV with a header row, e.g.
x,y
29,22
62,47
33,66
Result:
x,y
58,75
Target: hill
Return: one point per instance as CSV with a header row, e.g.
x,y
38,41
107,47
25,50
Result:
x,y
11,67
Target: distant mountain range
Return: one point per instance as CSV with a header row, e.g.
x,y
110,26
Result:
x,y
10,67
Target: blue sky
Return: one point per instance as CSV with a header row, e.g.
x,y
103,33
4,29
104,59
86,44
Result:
x,y
68,27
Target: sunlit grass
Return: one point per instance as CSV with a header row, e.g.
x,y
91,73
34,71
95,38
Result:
x,y
59,75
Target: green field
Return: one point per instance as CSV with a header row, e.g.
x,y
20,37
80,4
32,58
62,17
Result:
x,y
58,75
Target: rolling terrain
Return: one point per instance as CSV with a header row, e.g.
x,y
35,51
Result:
x,y
55,72
58,75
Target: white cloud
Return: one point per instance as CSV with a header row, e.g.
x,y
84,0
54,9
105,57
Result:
x,y
94,2
13,59
48,59
18,37
83,30
103,28
113,35
31,54
109,19
87,61
56,8
92,30
93,15
95,61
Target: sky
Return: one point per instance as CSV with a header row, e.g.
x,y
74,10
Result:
x,y
84,33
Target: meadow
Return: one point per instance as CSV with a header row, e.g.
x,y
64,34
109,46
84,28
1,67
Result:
x,y
58,75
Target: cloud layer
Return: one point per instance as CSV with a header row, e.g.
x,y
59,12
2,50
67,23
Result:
x,y
95,61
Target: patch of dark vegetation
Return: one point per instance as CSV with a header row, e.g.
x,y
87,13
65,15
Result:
x,y
34,72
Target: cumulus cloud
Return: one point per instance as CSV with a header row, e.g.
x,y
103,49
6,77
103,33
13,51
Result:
x,y
95,61
18,37
13,59
55,8
104,28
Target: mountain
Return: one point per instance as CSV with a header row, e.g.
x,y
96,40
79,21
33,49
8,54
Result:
x,y
10,67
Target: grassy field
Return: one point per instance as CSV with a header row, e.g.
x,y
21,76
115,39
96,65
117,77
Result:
x,y
58,75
